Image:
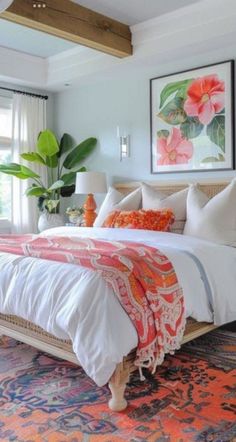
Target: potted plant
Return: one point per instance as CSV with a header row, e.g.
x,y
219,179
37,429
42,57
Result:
x,y
62,161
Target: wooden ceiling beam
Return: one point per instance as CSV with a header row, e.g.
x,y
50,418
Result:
x,y
68,20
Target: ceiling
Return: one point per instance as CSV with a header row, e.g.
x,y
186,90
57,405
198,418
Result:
x,y
20,38
29,41
132,12
158,44
45,62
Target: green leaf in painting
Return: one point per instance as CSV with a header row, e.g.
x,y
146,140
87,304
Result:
x,y
216,131
214,159
163,133
182,92
173,113
178,86
191,127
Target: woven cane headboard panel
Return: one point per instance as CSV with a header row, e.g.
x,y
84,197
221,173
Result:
x,y
210,189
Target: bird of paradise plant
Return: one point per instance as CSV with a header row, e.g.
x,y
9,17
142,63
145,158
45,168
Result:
x,y
62,161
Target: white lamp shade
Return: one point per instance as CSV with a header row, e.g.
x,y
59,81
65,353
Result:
x,y
4,4
90,182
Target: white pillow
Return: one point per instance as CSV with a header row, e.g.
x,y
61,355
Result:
x,y
116,200
212,219
155,199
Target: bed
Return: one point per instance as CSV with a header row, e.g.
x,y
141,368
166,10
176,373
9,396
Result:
x,y
59,345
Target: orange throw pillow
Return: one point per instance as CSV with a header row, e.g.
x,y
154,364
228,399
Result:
x,y
140,219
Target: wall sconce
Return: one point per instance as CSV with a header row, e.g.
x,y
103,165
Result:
x,y
124,143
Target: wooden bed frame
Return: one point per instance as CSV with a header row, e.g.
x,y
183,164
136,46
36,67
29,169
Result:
x,y
31,334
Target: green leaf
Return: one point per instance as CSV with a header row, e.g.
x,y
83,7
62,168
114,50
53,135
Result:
x,y
51,205
222,112
163,133
33,157
30,173
178,86
40,202
191,127
69,178
57,185
66,144
79,153
10,168
182,92
214,159
52,162
67,191
36,191
47,143
216,131
173,112
18,171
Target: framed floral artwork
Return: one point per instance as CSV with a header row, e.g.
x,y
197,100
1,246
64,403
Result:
x,y
192,120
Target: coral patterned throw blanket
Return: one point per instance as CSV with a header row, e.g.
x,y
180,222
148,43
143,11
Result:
x,y
143,279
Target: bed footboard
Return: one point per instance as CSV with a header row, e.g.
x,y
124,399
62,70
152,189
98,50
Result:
x,y
29,333
35,336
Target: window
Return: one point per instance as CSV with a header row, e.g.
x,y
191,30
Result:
x,y
5,156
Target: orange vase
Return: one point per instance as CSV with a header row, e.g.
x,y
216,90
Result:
x,y
89,210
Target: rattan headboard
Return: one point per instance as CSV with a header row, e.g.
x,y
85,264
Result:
x,y
210,188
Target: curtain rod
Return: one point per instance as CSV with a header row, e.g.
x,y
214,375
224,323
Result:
x,y
31,94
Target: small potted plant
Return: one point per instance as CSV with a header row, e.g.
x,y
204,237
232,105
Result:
x,y
75,215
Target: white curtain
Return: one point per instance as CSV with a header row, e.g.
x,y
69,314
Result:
x,y
29,118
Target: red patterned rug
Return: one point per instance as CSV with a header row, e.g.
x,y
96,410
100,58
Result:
x,y
191,399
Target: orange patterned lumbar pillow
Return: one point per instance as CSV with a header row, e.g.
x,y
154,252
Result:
x,y
140,219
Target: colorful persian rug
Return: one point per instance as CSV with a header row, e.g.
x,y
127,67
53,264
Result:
x,y
191,398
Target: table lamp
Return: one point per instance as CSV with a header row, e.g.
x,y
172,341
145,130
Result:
x,y
90,183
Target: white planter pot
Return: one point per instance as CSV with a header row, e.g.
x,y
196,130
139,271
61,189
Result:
x,y
49,220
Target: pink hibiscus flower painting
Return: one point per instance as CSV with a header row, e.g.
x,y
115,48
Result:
x,y
174,149
190,112
205,98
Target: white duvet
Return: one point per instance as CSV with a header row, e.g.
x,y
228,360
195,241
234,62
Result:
x,y
73,302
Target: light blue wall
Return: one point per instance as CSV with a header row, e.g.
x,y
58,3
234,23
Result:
x,y
96,108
